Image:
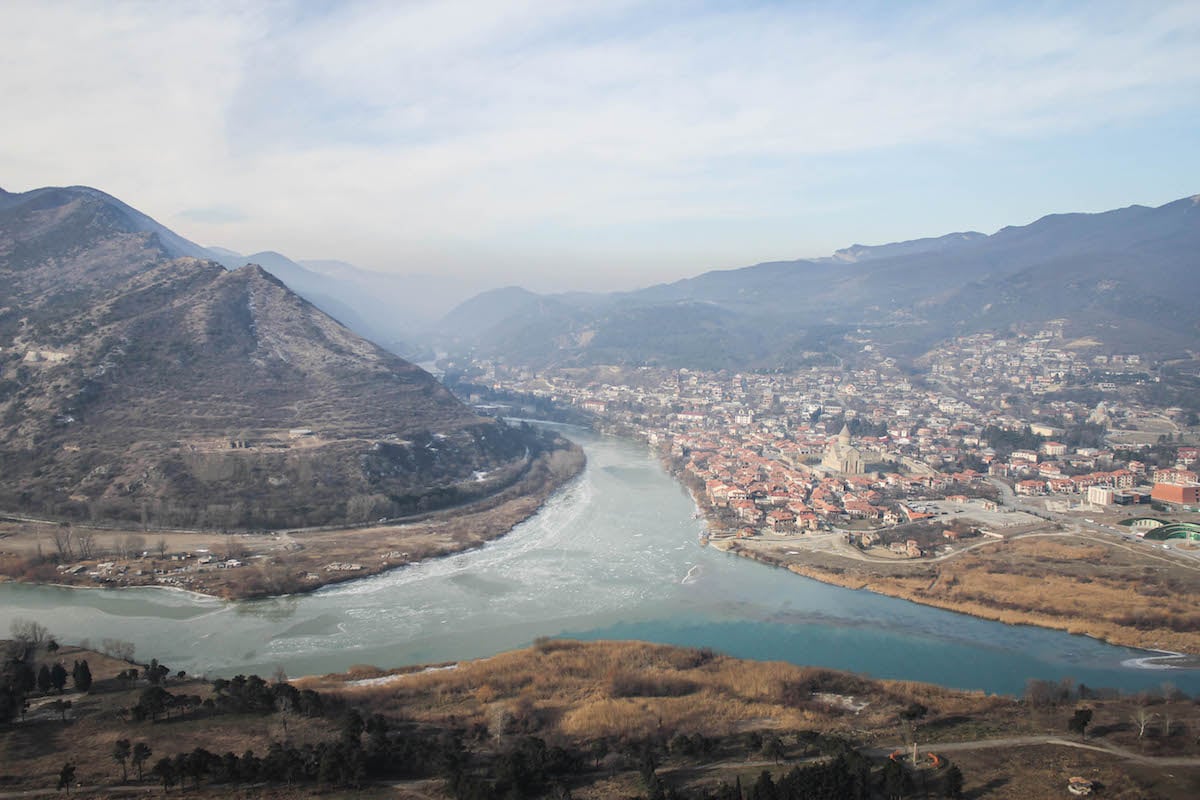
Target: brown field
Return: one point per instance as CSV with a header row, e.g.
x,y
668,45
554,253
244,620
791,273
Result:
x,y
1077,583
583,695
283,562
1037,771
582,691
577,692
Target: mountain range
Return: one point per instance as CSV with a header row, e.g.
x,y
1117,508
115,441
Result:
x,y
1123,278
391,310
142,381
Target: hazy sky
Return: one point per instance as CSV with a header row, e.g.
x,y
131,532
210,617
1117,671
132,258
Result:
x,y
607,144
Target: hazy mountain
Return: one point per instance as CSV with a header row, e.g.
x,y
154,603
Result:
x,y
1123,276
421,299
136,385
491,308
858,253
392,310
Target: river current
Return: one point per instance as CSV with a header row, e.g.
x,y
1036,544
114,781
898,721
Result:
x,y
615,554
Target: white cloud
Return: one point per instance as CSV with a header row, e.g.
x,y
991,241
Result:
x,y
394,132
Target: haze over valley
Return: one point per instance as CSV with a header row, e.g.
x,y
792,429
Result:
x,y
728,401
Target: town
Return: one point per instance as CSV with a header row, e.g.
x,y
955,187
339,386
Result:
x,y
866,447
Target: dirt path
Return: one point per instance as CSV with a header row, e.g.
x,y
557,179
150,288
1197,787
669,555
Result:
x,y
1003,743
1033,741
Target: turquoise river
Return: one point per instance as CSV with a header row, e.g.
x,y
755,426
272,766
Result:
x,y
613,555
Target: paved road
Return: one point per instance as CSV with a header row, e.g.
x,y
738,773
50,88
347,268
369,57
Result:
x,y
1098,533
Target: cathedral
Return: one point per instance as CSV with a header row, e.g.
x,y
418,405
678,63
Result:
x,y
841,456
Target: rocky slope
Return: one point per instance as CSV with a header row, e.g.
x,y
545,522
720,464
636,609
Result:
x,y
140,384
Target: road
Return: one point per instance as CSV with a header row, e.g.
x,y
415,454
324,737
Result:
x,y
1003,743
1076,527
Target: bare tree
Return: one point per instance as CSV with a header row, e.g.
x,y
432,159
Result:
x,y
1142,718
118,648
29,632
63,537
85,543
233,547
132,546
1168,723
161,547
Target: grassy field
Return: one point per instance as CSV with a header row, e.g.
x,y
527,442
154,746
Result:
x,y
1115,591
705,719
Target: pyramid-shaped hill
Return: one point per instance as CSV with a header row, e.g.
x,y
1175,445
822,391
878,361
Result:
x,y
140,386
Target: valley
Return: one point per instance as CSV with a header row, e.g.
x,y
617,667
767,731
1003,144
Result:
x,y
596,720
945,495
520,400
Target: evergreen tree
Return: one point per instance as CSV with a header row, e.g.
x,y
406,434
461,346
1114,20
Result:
x,y
954,782
764,788
140,755
1079,722
120,754
11,703
23,679
58,677
164,770
66,777
896,782
82,675
43,679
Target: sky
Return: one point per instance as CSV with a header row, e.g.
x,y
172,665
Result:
x,y
598,144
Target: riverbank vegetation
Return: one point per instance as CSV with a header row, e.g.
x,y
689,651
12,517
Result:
x,y
1080,584
581,720
247,565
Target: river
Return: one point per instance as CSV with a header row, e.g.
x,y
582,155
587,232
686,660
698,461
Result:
x,y
613,555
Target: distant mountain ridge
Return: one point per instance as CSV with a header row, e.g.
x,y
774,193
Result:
x,y
141,384
388,309
1121,276
860,252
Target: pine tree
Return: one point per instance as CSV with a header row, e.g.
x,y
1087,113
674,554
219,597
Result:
x,y
82,675
164,770
1080,721
58,677
43,679
120,754
141,754
66,776
954,782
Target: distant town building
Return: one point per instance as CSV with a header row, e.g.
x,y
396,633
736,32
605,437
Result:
x,y
1178,493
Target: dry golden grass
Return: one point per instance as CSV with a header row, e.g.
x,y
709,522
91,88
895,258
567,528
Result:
x,y
576,691
1075,585
37,748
